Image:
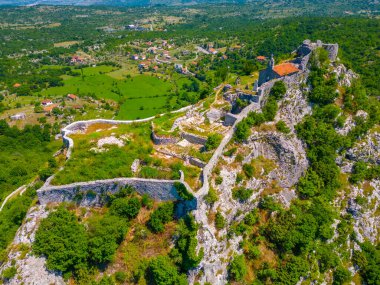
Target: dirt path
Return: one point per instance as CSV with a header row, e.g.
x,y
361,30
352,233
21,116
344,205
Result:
x,y
19,190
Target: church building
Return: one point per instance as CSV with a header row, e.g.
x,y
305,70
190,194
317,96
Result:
x,y
276,71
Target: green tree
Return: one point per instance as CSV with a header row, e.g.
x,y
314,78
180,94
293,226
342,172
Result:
x,y
211,197
105,235
278,90
220,221
126,208
242,131
237,268
63,241
341,276
162,272
162,215
213,141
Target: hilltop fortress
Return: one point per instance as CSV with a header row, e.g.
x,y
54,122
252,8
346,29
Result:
x,y
297,65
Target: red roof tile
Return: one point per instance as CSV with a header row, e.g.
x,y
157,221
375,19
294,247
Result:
x,y
285,69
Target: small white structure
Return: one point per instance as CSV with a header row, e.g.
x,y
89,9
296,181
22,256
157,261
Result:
x,y
46,102
19,116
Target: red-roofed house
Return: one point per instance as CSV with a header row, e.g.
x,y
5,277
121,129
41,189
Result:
x,y
46,102
50,108
261,58
72,97
212,51
144,65
16,85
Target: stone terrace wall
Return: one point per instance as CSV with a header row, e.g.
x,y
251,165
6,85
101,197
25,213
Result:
x,y
194,138
91,193
162,140
229,119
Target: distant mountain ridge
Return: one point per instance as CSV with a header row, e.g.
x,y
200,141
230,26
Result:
x,y
111,2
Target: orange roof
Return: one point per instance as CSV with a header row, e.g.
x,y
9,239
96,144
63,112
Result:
x,y
72,96
16,85
50,108
285,69
261,57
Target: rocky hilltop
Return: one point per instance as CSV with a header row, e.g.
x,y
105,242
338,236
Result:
x,y
266,171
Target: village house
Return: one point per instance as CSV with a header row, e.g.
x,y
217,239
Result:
x,y
135,57
16,85
46,102
166,54
144,65
152,50
276,71
49,109
76,59
77,107
261,58
212,51
72,97
181,69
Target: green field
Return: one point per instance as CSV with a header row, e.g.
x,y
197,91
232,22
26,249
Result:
x,y
140,96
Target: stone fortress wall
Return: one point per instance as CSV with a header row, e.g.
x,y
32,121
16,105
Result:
x,y
90,193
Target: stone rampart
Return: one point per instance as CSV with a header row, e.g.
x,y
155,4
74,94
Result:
x,y
93,193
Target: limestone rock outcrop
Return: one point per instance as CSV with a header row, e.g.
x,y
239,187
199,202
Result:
x,y
287,151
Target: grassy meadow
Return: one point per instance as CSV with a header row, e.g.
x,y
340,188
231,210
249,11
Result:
x,y
139,96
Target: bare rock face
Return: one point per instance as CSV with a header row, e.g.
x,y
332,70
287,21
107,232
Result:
x,y
214,115
365,211
345,77
293,108
287,151
30,269
350,123
368,150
